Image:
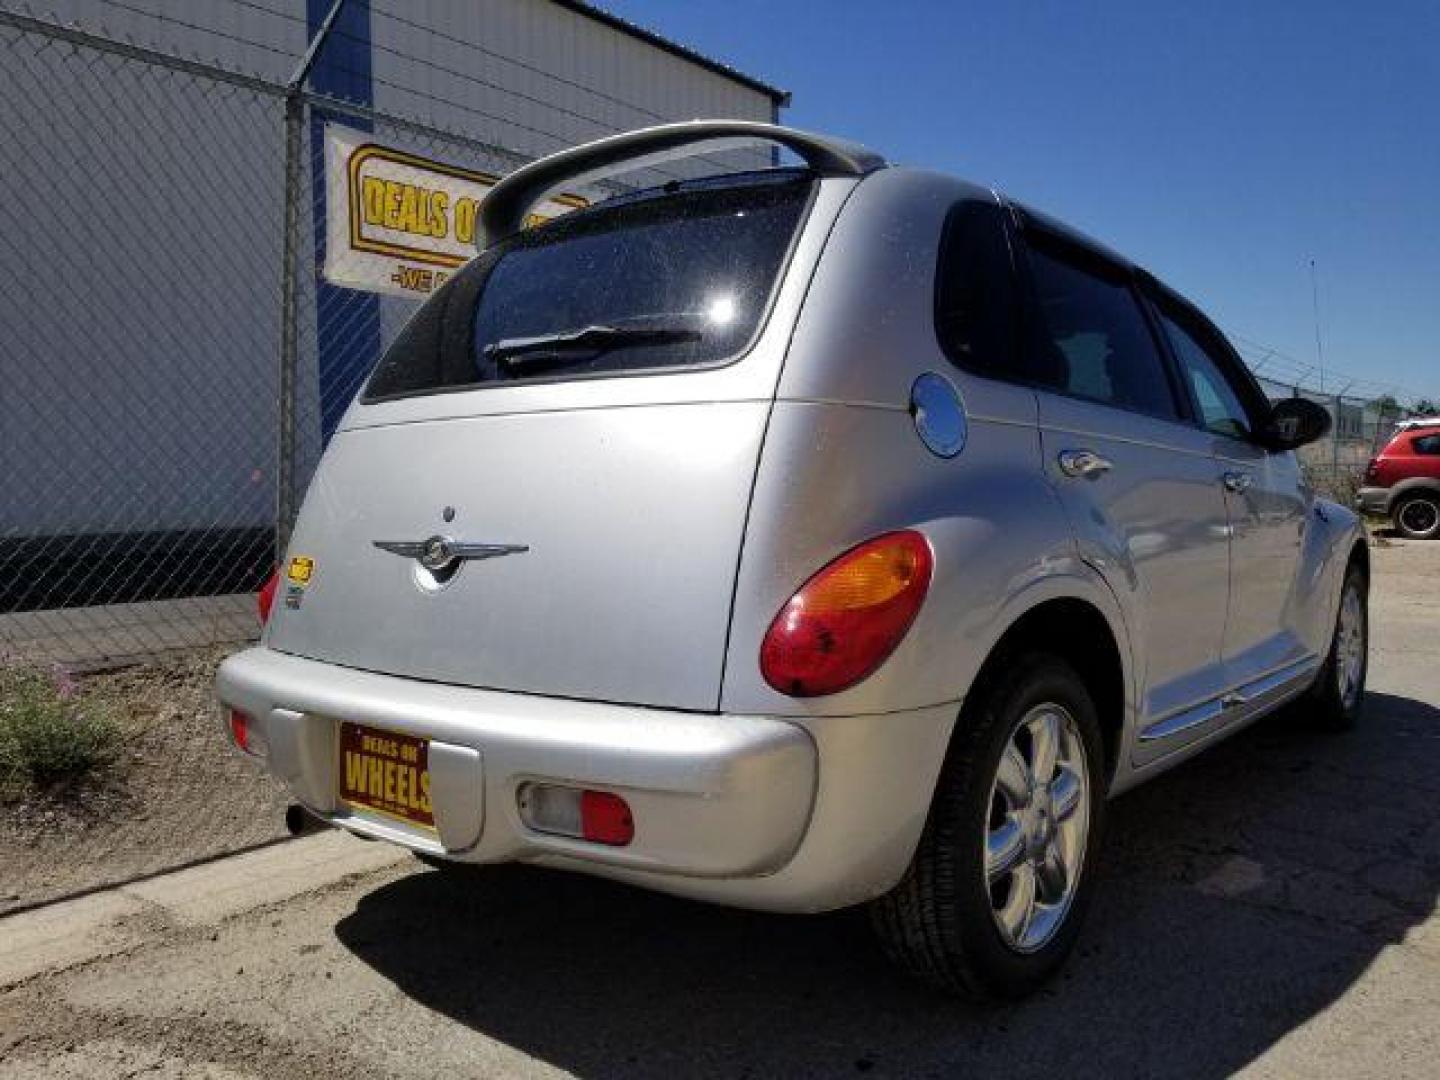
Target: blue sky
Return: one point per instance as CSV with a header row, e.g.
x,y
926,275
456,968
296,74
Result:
x,y
1221,145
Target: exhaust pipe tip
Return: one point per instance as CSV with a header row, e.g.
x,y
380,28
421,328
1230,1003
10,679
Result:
x,y
300,821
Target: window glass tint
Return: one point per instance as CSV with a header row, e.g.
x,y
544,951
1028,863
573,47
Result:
x,y
1092,338
1221,409
1427,444
975,305
685,276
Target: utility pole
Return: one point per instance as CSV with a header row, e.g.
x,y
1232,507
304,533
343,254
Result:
x,y
1320,360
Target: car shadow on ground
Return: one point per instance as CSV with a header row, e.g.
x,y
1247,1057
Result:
x,y
1240,895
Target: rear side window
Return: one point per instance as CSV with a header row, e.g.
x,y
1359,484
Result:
x,y
1090,338
975,295
677,279
1427,444
1221,409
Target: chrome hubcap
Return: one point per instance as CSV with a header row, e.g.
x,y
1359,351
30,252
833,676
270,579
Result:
x,y
1419,516
1039,819
1350,647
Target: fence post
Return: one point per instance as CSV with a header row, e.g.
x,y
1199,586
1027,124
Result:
x,y
1335,443
289,325
286,448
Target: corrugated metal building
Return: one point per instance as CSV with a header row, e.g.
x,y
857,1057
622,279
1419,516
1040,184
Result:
x,y
527,75
144,241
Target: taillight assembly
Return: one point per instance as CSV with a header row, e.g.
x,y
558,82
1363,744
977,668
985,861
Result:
x,y
266,598
849,617
1372,469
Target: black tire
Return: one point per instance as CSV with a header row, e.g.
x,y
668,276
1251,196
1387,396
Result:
x,y
937,923
439,862
1325,706
1417,516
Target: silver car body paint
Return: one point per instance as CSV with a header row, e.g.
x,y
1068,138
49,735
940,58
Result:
x,y
669,517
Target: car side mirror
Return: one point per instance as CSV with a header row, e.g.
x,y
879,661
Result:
x,y
1293,422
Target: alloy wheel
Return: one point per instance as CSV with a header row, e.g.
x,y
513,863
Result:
x,y
1350,647
1037,827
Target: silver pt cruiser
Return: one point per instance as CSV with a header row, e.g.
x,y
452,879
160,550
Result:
x,y
796,539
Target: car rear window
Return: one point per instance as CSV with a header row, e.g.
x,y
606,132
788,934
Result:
x,y
679,277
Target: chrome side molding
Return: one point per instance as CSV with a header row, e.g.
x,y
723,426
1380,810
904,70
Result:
x,y
1258,693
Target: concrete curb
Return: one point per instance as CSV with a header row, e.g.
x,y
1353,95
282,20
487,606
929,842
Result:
x,y
72,932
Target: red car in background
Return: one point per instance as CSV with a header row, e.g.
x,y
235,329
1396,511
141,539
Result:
x,y
1403,481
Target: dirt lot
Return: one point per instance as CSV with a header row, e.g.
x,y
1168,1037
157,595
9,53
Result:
x,y
178,793
1269,907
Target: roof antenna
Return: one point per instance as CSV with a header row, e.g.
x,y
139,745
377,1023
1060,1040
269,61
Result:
x,y
1315,302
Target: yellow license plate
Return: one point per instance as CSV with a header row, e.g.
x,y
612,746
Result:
x,y
386,773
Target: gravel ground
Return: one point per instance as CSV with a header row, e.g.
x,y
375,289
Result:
x,y
177,794
1269,907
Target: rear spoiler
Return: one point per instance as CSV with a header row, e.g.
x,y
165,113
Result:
x,y
504,208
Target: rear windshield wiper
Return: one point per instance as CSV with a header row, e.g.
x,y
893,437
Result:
x,y
590,341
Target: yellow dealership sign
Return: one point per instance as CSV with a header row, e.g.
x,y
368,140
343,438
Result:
x,y
399,223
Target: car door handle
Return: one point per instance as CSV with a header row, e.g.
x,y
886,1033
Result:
x,y
1237,481
1084,463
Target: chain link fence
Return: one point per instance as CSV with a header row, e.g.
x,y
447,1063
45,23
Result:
x,y
164,404
1359,428
138,362
173,360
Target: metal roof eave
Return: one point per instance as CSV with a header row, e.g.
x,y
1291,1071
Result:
x,y
781,98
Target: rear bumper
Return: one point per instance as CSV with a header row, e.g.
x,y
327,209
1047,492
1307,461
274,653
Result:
x,y
784,814
1373,500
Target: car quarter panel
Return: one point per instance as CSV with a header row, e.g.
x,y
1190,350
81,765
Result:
x,y
832,476
842,463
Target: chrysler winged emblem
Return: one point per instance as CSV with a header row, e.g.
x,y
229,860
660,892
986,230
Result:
x,y
440,553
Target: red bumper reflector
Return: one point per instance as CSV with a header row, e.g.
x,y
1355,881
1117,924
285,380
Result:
x,y
266,599
605,818
240,731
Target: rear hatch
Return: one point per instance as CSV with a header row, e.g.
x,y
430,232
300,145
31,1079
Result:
x,y
574,420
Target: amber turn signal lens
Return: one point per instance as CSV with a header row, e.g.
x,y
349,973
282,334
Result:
x,y
849,617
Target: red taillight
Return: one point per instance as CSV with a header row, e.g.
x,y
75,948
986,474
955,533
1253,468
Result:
x,y
266,599
848,618
605,818
1372,469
